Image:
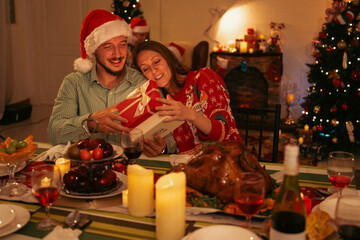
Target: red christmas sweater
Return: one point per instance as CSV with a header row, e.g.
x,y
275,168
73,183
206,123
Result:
x,y
205,92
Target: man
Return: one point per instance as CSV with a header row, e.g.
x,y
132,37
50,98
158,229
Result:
x,y
102,80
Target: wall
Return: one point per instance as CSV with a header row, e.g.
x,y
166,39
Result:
x,y
184,20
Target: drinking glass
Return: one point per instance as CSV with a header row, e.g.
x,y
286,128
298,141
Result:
x,y
347,216
249,193
46,185
340,169
133,144
13,188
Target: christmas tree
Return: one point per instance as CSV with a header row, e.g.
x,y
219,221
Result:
x,y
332,108
127,9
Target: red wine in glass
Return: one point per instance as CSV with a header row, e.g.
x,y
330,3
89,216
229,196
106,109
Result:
x,y
46,196
340,181
133,152
249,203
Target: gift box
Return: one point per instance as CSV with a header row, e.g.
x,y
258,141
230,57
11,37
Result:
x,y
140,104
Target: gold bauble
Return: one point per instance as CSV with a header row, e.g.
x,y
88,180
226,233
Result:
x,y
341,44
334,140
334,122
126,3
317,109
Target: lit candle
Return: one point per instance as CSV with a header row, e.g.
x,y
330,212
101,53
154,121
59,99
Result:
x,y
125,198
140,190
243,47
306,127
64,166
290,98
45,182
251,50
170,206
301,140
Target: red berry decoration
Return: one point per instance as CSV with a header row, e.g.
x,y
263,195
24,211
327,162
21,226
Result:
x,y
319,128
333,109
355,75
345,107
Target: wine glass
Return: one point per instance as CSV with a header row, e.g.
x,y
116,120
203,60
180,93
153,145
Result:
x,y
347,216
46,185
340,169
249,193
133,143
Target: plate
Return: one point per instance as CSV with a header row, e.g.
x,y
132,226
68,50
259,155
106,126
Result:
x,y
223,232
3,168
121,176
22,216
118,151
7,214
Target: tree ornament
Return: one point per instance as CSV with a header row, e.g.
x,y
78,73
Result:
x,y
355,75
345,107
333,109
316,109
358,93
126,3
337,8
334,140
314,128
345,60
344,18
334,122
341,44
338,83
317,55
329,49
319,128
323,35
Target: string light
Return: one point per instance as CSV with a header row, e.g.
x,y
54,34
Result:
x,y
332,38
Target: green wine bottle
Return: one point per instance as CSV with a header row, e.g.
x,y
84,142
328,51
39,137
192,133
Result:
x,y
289,214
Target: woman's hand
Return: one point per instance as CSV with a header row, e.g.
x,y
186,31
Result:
x,y
175,110
154,148
106,119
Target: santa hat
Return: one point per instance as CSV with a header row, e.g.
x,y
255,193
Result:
x,y
139,25
177,50
98,27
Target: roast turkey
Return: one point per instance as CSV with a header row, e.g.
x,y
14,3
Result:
x,y
214,169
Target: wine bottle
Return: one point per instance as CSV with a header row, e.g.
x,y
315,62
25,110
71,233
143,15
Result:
x,y
289,213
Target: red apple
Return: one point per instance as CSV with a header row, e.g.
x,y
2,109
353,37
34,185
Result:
x,y
69,178
97,153
85,155
105,182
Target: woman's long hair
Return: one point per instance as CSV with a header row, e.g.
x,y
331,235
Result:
x,y
178,72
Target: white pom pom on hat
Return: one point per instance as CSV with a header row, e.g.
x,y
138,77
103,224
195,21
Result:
x,y
98,27
177,50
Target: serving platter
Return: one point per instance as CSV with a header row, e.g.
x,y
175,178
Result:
x,y
122,185
117,152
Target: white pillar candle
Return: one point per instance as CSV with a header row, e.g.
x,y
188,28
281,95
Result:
x,y
125,198
140,190
170,206
64,166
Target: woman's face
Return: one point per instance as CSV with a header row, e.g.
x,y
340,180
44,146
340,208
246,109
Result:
x,y
154,66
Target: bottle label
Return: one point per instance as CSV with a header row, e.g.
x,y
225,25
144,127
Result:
x,y
276,235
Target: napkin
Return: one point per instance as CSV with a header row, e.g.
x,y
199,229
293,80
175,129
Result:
x,y
54,153
60,233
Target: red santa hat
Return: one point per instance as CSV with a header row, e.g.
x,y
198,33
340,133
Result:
x,y
98,27
139,25
177,50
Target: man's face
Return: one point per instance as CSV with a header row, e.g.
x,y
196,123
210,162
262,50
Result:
x,y
111,55
140,37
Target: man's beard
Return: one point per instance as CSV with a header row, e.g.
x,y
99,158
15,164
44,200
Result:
x,y
108,70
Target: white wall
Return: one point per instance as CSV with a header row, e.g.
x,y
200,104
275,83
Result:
x,y
186,20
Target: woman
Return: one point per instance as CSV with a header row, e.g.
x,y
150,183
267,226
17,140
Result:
x,y
198,97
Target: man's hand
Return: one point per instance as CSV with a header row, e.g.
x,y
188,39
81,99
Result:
x,y
106,119
154,148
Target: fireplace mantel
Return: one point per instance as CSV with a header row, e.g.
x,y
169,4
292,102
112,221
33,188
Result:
x,y
262,61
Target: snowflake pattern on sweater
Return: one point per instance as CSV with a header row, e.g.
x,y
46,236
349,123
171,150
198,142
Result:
x,y
205,92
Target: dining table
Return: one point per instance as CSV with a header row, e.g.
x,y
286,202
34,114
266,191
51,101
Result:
x,y
108,219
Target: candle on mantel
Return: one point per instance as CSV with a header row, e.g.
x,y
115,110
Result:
x,y
170,206
306,127
140,190
290,98
64,166
243,47
301,140
125,198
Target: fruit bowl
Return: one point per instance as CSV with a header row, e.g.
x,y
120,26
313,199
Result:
x,y
117,152
19,153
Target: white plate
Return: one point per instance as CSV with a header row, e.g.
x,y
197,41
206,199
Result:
x,y
121,176
7,214
22,216
3,168
223,232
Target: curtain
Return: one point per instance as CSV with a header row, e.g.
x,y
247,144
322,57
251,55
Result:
x,y
5,56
